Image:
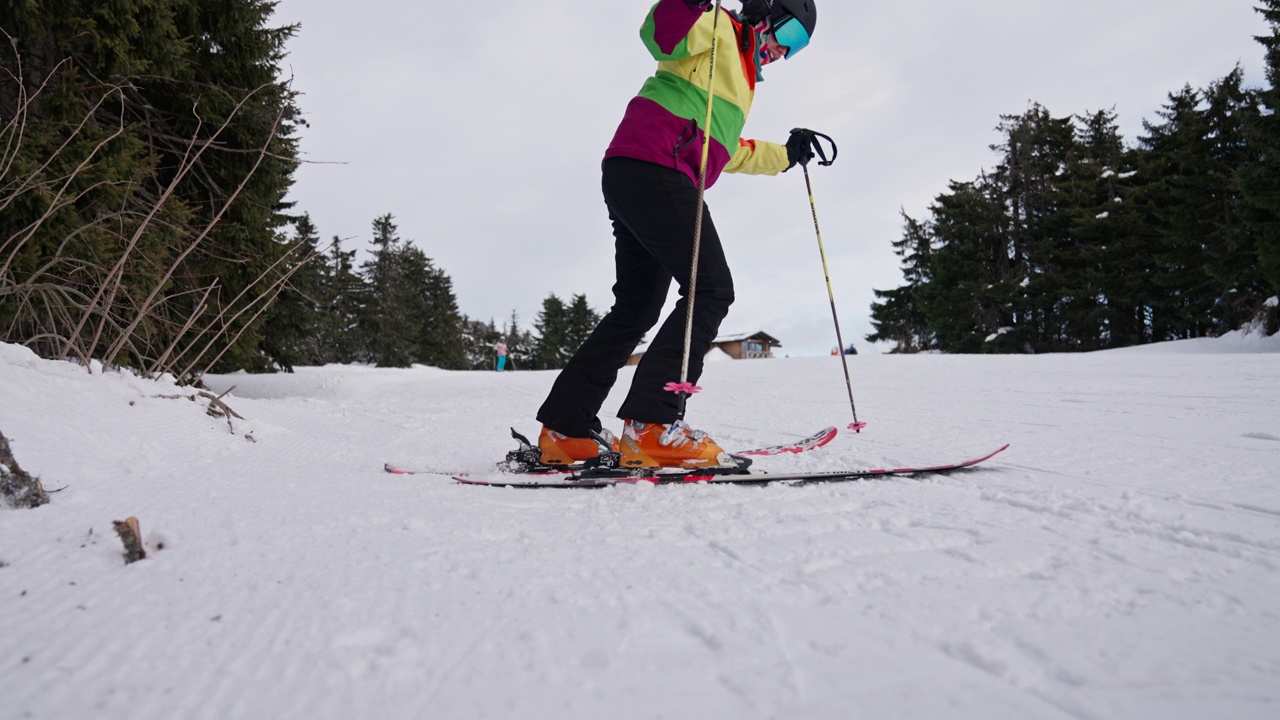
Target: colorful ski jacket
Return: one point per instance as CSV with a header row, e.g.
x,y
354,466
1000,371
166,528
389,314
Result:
x,y
663,124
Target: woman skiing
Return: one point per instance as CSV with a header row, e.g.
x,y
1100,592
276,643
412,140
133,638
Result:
x,y
500,349
650,179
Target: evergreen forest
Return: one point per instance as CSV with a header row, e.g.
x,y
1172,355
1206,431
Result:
x,y
146,151
147,148
1078,241
398,308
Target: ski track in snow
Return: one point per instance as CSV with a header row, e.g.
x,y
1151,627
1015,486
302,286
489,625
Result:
x,y
1120,560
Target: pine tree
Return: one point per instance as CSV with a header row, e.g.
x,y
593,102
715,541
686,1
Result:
x,y
969,297
479,339
412,314
898,318
346,294
1189,164
1107,265
386,324
292,335
1106,216
552,327
1033,270
71,132
521,344
1260,177
435,311
561,330
580,321
1240,284
231,71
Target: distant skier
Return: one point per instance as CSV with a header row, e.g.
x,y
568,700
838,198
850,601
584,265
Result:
x,y
500,348
650,182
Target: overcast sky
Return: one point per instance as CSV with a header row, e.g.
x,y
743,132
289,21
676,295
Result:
x,y
481,127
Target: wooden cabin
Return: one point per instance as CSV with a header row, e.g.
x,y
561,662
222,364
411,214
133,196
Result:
x,y
747,346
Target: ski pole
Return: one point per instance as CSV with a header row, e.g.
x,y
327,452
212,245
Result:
x,y
856,426
685,388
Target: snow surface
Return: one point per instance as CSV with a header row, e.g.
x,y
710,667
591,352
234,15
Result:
x,y
1120,560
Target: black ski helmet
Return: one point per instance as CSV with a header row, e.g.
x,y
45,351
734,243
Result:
x,y
803,10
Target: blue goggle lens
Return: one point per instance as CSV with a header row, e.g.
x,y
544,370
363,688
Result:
x,y
791,34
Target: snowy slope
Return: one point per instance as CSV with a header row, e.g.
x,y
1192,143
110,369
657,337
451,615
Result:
x,y
1120,560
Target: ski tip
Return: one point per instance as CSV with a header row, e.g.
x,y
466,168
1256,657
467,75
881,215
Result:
x,y
984,458
813,442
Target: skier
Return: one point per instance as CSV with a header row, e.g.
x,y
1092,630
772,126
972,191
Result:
x,y
650,178
501,349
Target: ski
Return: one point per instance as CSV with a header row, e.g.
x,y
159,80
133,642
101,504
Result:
x,y
813,442
607,478
524,461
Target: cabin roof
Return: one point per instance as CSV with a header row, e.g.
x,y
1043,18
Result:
x,y
739,337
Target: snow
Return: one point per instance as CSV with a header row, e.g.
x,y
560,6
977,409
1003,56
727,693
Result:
x,y
716,354
998,333
1120,560
1235,342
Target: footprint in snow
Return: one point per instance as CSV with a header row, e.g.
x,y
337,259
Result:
x,y
1262,436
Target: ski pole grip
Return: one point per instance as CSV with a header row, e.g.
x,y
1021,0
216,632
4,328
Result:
x,y
817,146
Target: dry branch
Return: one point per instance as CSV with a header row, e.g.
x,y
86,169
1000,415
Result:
x,y
103,291
147,304
218,408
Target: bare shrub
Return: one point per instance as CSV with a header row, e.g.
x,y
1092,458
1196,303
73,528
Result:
x,y
118,282
16,486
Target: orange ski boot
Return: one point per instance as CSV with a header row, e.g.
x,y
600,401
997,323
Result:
x,y
561,450
650,445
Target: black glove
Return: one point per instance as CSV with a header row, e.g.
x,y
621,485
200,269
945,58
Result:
x,y
800,147
753,11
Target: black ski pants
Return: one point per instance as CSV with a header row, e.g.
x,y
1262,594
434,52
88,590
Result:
x,y
652,209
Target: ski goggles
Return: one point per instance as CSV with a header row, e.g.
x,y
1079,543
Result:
x,y
790,33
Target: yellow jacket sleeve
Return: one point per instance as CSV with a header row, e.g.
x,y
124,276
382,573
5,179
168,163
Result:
x,y
757,157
